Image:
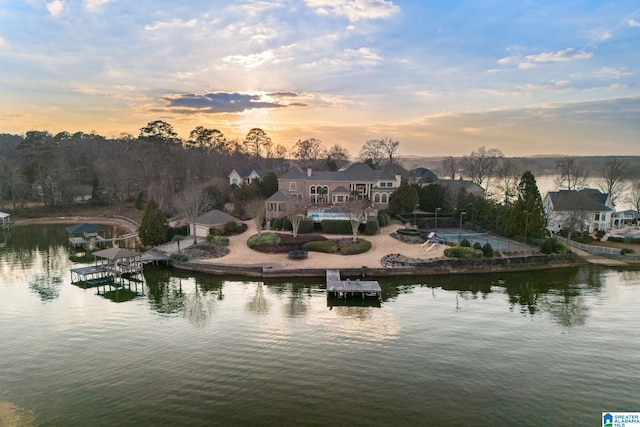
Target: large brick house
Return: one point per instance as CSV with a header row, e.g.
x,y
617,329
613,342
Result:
x,y
327,188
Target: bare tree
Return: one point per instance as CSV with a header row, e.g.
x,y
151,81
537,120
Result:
x,y
257,142
337,158
256,209
372,153
390,147
308,152
450,166
192,202
14,179
355,209
634,195
481,165
613,176
507,174
572,174
296,210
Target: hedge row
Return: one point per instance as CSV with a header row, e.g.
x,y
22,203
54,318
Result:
x,y
624,239
326,246
408,232
463,252
336,226
358,248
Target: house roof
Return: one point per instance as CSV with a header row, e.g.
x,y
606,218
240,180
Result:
x,y
85,228
257,167
588,199
3,215
355,172
423,176
279,196
340,189
458,184
215,217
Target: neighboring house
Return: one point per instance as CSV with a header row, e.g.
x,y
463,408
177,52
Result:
x,y
422,177
455,185
359,180
247,174
213,218
81,193
581,210
625,217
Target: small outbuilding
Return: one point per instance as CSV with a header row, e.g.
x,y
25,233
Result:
x,y
213,218
5,222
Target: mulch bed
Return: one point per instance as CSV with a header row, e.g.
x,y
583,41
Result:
x,y
289,243
205,251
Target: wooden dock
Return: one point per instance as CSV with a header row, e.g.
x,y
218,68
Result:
x,y
339,288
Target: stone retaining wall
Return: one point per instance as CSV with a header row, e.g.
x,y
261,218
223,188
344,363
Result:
x,y
436,267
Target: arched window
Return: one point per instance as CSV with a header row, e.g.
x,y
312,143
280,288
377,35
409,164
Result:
x,y
376,198
384,198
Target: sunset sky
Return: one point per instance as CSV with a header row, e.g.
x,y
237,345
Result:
x,y
441,77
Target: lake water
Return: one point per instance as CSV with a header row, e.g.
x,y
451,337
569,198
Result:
x,y
555,347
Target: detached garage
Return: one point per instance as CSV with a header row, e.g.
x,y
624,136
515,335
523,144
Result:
x,y
214,218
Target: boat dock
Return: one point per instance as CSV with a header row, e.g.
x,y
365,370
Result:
x,y
349,288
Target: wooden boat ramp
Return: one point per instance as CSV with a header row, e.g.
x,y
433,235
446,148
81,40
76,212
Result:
x,y
336,287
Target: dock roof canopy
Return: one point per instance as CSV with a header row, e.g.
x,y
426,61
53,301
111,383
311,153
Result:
x,y
117,253
85,228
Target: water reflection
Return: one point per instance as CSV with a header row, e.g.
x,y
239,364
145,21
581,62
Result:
x,y
258,304
38,257
165,291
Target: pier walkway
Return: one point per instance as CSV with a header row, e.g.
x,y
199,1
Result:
x,y
348,288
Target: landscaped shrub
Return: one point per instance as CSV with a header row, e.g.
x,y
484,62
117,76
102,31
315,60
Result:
x,y
357,248
372,227
306,226
553,246
409,232
625,251
462,252
477,245
336,226
218,240
487,250
387,217
276,223
182,230
179,258
263,239
382,220
286,224
230,227
465,243
600,234
326,246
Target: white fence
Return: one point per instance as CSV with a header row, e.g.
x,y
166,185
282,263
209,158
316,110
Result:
x,y
603,250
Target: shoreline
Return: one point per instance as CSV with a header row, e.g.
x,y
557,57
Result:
x,y
245,262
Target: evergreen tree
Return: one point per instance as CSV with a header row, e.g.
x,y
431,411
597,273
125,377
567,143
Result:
x,y
527,214
153,229
404,199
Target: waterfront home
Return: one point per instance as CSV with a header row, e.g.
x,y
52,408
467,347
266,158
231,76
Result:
x,y
584,210
328,188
